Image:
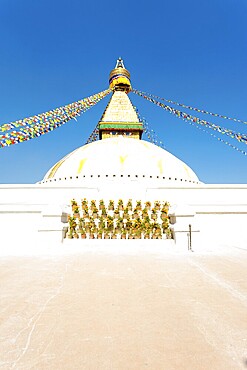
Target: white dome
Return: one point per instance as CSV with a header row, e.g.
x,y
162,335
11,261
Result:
x,y
117,159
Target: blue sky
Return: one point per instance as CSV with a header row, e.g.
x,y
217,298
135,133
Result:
x,y
56,52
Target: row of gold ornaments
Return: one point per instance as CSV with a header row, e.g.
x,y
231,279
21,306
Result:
x,y
91,219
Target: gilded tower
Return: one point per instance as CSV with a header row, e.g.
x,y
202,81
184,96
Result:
x,y
120,117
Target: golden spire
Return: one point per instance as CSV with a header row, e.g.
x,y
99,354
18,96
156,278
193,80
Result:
x,y
120,117
119,78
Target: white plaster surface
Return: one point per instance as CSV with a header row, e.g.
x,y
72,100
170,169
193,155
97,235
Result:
x,y
118,156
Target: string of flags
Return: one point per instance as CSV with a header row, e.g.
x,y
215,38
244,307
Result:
x,y
94,135
219,139
151,134
35,126
43,123
187,117
189,107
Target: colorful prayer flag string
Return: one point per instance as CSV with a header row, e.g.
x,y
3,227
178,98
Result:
x,y
151,135
94,135
187,117
38,125
218,138
191,108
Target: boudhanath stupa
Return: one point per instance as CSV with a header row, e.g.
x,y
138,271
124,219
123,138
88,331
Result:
x,y
121,167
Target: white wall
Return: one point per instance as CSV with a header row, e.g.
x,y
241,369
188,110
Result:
x,y
218,212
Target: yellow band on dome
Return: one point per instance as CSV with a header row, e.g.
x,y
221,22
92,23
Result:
x,y
54,169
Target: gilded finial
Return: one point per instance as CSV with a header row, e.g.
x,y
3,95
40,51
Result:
x,y
120,77
120,63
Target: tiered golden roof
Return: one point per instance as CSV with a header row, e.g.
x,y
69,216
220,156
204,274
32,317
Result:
x,y
120,117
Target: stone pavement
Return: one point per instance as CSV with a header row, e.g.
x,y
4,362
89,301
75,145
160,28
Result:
x,y
124,311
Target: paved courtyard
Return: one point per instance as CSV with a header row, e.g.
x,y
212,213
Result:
x,y
141,310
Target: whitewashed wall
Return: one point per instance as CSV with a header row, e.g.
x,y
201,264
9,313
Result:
x,y
218,213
